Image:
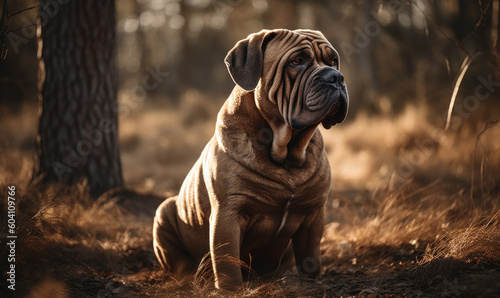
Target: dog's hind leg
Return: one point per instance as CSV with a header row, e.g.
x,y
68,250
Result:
x,y
169,250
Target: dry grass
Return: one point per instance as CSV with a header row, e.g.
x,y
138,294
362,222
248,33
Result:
x,y
412,212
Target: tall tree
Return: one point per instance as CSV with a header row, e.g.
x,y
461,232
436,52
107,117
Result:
x,y
77,136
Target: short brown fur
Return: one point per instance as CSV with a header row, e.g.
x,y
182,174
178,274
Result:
x,y
256,192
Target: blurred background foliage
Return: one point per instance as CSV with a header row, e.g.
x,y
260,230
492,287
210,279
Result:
x,y
401,60
393,52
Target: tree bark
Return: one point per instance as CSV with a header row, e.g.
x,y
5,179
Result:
x,y
78,130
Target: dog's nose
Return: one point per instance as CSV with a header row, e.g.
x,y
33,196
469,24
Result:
x,y
334,77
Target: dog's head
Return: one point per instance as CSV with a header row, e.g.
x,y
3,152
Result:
x,y
295,73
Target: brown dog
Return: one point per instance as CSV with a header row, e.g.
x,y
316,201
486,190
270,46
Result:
x,y
257,192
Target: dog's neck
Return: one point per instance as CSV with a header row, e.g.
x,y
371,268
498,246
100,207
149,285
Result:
x,y
272,133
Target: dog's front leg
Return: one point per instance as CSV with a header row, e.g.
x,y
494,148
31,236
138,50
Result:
x,y
306,243
225,233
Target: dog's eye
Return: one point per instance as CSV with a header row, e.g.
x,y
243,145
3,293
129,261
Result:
x,y
296,62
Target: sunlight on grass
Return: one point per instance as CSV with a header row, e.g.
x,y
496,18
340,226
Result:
x,y
402,206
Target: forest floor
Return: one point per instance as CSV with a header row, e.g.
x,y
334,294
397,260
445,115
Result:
x,y
412,211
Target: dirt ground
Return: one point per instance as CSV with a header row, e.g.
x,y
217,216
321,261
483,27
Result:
x,y
413,211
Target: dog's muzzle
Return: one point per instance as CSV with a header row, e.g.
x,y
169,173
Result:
x,y
327,96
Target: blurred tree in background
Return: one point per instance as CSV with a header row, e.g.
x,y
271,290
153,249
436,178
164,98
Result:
x,y
78,134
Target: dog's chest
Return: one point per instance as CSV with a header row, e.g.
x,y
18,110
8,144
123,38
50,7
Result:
x,y
271,222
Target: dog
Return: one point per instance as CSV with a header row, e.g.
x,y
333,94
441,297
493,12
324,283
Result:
x,y
257,193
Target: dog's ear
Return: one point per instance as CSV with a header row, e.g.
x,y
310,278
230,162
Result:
x,y
244,61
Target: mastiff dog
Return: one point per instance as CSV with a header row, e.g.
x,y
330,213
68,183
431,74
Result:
x,y
256,195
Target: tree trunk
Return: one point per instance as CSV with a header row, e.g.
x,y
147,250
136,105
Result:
x,y
77,136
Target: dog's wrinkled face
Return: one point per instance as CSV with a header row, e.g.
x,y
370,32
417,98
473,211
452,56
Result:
x,y
304,81
298,69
